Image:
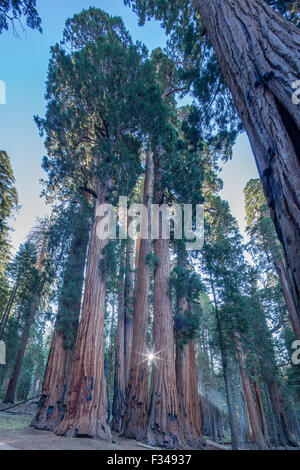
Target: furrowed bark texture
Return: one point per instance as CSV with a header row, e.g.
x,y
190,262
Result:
x,y
136,414
129,299
188,396
87,401
260,409
187,377
164,427
118,407
51,408
258,52
256,432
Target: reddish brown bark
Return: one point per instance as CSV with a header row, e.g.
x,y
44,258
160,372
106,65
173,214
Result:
x,y
165,427
129,300
52,403
255,430
283,430
261,411
51,407
118,407
164,422
186,376
188,395
258,52
136,415
86,404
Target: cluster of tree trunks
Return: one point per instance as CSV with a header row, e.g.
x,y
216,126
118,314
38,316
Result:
x,y
86,402
211,417
52,404
118,407
136,414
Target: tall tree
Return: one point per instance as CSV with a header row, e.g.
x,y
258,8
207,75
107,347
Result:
x,y
52,404
92,92
36,286
186,324
8,202
251,40
266,248
118,407
136,414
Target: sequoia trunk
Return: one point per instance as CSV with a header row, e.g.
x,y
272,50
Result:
x,y
258,52
164,427
136,415
86,404
256,432
129,299
186,376
51,408
118,407
188,395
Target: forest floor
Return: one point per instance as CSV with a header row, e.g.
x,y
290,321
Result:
x,y
16,434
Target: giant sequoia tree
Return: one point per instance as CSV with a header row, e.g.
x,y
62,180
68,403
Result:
x,y
52,405
253,45
92,94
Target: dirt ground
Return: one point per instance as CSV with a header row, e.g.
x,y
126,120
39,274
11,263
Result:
x,y
31,439
15,433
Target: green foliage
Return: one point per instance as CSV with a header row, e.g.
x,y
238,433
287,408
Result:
x,y
71,269
97,106
13,10
8,202
8,195
290,9
264,244
186,282
186,326
152,260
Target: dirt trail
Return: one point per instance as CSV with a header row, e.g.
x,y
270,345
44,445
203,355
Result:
x,y
30,439
16,434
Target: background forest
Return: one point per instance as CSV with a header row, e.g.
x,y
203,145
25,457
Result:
x,y
147,339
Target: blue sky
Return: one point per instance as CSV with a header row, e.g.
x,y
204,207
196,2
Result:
x,y
23,68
